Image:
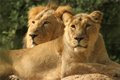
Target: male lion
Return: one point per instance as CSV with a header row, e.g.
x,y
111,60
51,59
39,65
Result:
x,y
43,29
81,53
43,25
41,61
46,24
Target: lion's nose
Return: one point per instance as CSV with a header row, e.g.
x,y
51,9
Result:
x,y
32,35
79,38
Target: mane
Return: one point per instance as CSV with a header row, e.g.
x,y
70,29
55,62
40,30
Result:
x,y
34,11
58,12
62,9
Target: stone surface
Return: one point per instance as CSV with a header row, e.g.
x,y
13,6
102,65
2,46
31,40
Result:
x,y
88,77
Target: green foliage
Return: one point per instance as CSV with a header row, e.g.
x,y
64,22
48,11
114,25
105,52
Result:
x,y
13,21
111,28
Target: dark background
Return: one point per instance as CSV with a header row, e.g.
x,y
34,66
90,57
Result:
x,y
13,21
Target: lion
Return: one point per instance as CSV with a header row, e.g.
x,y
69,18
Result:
x,y
43,34
43,29
41,63
54,29
83,52
63,56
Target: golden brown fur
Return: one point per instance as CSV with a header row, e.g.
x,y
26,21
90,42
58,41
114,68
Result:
x,y
35,64
43,62
23,64
56,26
84,50
99,48
36,26
34,11
54,30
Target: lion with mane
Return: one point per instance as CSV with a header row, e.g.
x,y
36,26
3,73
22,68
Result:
x,y
44,22
44,29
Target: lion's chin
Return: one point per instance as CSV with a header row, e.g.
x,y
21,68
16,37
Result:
x,y
80,49
33,44
81,46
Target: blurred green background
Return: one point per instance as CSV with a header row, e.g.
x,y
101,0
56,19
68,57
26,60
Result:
x,y
13,21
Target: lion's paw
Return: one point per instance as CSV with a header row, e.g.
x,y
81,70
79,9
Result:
x,y
14,77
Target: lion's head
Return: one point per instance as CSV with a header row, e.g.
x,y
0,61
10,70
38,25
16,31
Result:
x,y
81,30
44,25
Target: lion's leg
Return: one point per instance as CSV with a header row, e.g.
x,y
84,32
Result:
x,y
85,68
5,65
14,77
109,70
5,71
113,64
75,68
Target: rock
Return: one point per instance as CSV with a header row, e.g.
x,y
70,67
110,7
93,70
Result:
x,y
94,76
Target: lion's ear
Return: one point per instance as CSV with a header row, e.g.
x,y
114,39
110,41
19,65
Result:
x,y
67,17
97,16
62,9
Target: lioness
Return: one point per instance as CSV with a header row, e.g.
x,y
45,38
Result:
x,y
81,53
43,29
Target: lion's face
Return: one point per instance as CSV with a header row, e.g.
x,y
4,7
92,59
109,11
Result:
x,y
82,29
45,27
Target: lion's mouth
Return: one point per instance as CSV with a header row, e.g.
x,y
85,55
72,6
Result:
x,y
82,46
33,44
80,42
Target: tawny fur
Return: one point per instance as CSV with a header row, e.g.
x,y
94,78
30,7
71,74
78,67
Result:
x,y
35,11
91,56
43,61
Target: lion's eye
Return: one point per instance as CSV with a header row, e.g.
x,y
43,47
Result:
x,y
46,22
88,25
33,22
73,26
